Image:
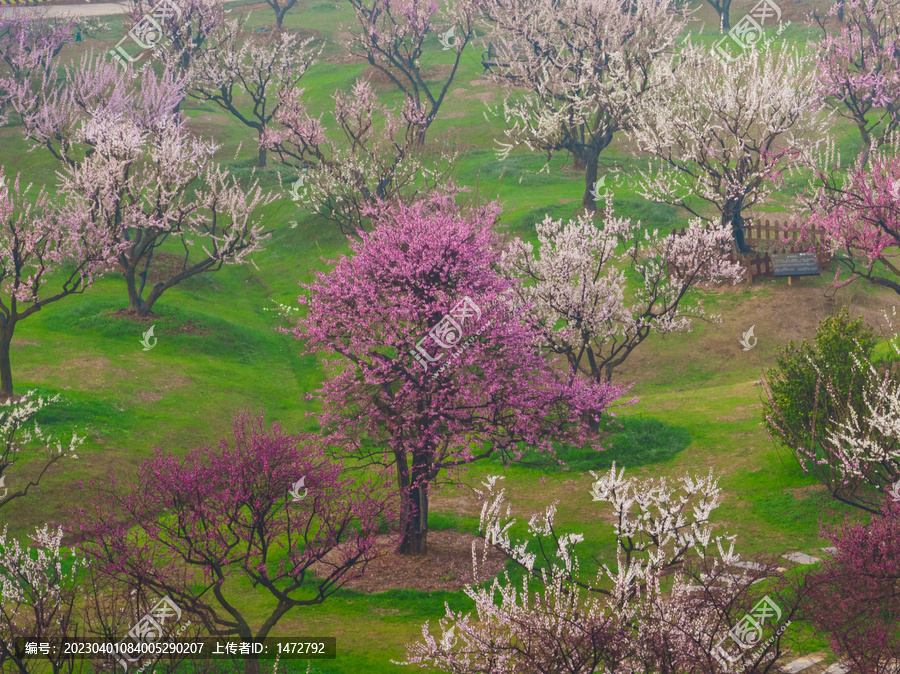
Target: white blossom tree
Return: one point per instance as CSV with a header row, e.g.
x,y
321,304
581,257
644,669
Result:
x,y
38,596
576,285
584,67
16,431
857,456
377,156
234,66
725,131
640,614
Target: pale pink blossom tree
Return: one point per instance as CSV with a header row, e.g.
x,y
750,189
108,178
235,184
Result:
x,y
29,43
657,608
47,253
725,131
376,159
246,74
144,179
858,67
391,36
584,67
189,30
575,285
429,368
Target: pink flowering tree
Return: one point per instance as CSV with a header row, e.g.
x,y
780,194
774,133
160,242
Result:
x,y
575,285
189,30
855,600
29,43
133,170
375,157
268,509
724,132
246,76
584,66
46,255
391,37
429,368
859,210
39,597
560,619
858,67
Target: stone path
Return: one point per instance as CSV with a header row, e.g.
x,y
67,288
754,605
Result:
x,y
800,664
800,558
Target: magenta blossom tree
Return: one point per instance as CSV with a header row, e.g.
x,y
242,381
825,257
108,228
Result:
x,y
855,598
429,368
268,509
40,242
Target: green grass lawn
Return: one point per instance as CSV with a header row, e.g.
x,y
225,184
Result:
x,y
219,352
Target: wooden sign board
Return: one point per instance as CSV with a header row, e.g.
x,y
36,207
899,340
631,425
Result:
x,y
794,264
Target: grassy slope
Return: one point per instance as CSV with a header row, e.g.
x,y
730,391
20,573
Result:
x,y
184,391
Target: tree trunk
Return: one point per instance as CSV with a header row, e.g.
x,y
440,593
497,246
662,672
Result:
x,y
6,381
251,666
279,18
726,22
866,142
415,536
134,298
136,305
261,158
413,505
590,179
731,216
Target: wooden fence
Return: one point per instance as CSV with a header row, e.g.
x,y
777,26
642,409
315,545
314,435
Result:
x,y
774,237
